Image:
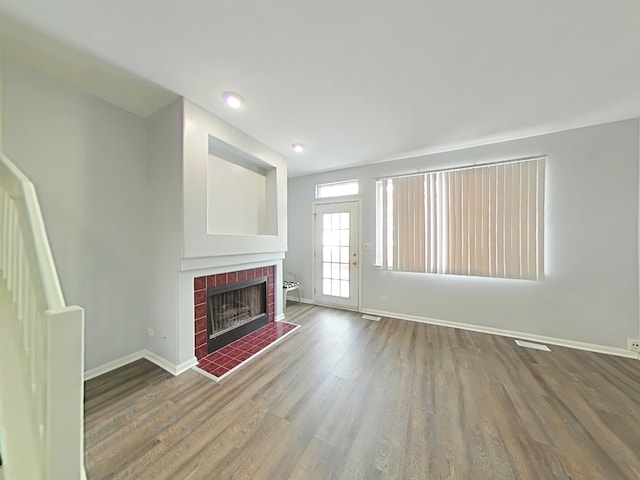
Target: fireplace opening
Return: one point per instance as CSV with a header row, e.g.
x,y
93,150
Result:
x,y
234,311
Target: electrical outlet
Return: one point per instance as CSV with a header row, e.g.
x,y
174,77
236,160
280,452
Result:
x,y
150,332
633,344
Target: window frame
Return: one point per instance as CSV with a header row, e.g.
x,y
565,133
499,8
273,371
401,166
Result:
x,y
330,185
522,189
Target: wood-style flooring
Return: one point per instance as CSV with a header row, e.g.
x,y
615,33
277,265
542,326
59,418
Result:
x,y
348,398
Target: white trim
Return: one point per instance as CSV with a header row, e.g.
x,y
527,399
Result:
x,y
590,347
280,317
184,366
206,374
168,366
114,364
535,346
228,263
302,300
339,307
152,357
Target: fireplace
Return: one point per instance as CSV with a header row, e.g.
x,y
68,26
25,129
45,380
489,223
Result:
x,y
235,310
201,286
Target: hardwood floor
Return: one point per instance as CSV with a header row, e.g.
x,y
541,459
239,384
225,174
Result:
x,y
347,398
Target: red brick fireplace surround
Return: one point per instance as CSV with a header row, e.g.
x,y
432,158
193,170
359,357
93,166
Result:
x,y
200,285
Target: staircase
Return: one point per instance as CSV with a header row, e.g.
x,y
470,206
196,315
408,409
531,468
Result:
x,y
41,346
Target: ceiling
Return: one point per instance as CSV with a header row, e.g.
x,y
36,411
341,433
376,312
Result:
x,y
357,81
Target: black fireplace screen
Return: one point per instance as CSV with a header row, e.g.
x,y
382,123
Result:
x,y
232,306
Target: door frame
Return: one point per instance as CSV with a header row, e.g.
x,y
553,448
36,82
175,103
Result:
x,y
357,248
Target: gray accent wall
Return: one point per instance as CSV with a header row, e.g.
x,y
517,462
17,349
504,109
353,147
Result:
x,y
120,210
87,160
590,290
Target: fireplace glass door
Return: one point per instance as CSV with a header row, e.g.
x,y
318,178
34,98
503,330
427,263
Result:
x,y
235,310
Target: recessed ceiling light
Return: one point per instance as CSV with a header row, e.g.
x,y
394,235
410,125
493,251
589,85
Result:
x,y
232,99
297,147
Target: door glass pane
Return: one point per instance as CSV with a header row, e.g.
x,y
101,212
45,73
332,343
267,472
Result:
x,y
335,270
344,220
326,286
335,288
335,237
344,238
335,254
326,270
326,237
344,272
344,289
335,221
326,221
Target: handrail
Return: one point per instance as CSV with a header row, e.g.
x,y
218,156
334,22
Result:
x,y
41,346
46,266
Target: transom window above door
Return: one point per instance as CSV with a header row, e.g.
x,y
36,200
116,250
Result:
x,y
337,189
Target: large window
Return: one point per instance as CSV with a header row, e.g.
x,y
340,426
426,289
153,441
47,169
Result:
x,y
483,220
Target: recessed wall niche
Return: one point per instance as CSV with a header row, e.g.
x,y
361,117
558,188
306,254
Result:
x,y
241,192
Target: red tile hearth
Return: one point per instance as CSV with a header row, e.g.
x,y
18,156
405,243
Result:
x,y
200,285
223,361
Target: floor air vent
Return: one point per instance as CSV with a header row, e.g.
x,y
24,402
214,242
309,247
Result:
x,y
371,317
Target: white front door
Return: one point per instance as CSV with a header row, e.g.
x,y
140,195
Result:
x,y
336,254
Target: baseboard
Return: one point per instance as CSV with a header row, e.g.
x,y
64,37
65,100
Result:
x,y
302,300
168,366
183,367
561,342
108,367
152,357
280,317
188,365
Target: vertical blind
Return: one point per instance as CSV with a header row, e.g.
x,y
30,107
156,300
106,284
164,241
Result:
x,y
484,220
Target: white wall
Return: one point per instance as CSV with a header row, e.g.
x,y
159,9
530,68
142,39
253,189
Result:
x,y
164,217
87,161
590,292
124,203
236,199
200,125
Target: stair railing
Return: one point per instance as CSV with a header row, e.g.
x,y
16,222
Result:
x,y
41,346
